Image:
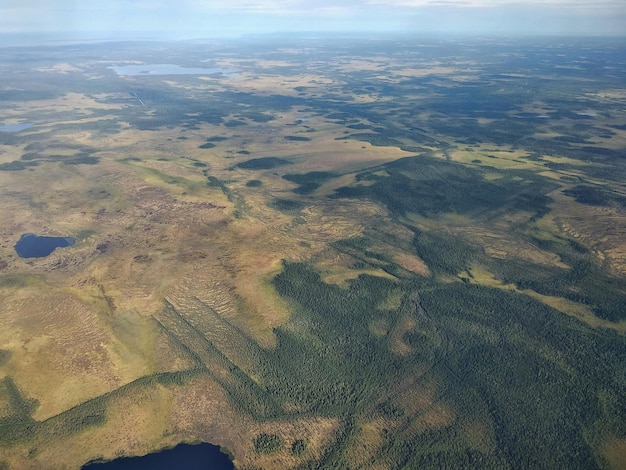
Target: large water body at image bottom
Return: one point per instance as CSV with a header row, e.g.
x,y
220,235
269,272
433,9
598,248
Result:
x,y
182,457
34,246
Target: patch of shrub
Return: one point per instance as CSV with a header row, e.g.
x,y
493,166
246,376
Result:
x,y
298,447
268,443
263,163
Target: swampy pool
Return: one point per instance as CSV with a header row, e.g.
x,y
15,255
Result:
x,y
184,456
35,246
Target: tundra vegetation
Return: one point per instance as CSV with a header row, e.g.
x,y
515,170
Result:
x,y
399,253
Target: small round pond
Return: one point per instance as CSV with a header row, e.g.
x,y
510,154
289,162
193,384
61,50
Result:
x,y
34,246
184,456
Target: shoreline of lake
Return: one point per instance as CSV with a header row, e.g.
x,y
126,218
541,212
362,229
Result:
x,y
198,456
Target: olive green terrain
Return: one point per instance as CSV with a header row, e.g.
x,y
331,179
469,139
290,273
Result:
x,y
389,254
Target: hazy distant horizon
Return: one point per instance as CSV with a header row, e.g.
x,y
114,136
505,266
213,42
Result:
x,y
57,38
194,18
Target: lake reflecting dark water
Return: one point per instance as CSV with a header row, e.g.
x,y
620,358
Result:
x,y
34,246
182,457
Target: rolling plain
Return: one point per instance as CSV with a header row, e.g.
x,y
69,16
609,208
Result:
x,y
364,253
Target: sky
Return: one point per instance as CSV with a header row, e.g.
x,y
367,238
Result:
x,y
214,18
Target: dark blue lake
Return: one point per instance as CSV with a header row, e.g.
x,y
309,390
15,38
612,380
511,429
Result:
x,y
182,457
34,246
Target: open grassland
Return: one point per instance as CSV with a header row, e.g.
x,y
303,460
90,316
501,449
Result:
x,y
329,256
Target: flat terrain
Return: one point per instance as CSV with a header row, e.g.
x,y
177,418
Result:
x,y
394,253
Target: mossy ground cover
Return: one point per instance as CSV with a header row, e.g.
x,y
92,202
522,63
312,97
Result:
x,y
333,257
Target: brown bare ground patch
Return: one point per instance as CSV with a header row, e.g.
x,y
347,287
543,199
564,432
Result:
x,y
505,159
341,277
10,153
418,396
330,187
202,410
412,263
371,63
602,229
565,160
367,444
503,246
436,417
337,268
59,357
616,142
175,168
611,95
379,327
405,325
317,432
614,451
275,83
423,72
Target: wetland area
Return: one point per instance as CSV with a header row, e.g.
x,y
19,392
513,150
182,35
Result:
x,y
327,252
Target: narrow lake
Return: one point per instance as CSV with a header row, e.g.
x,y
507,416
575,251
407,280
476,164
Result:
x,y
16,127
166,69
34,246
183,456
